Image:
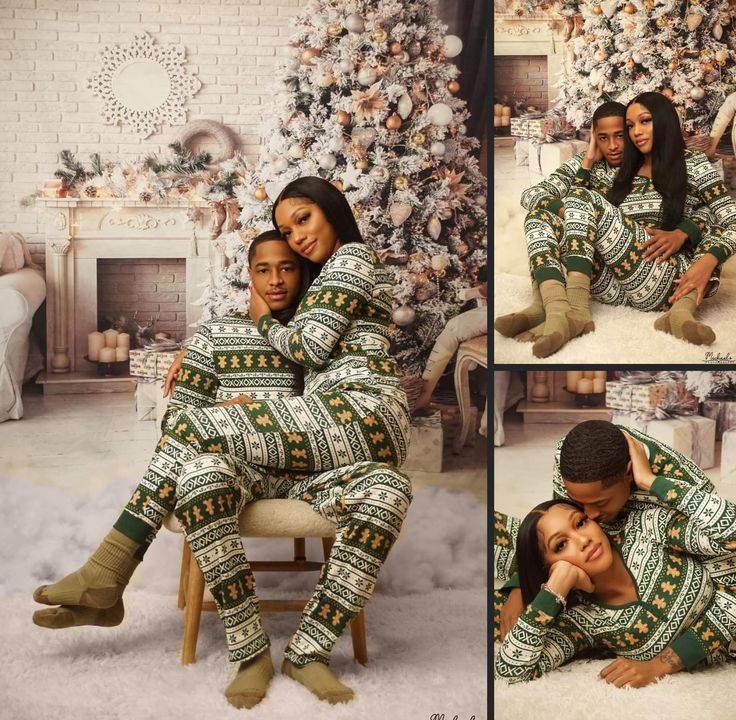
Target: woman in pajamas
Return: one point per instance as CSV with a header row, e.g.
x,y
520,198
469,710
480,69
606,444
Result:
x,y
656,205
641,594
208,484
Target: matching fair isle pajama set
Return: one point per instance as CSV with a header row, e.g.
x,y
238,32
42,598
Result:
x,y
679,604
665,462
336,447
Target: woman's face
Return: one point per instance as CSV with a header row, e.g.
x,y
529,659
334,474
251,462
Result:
x,y
640,125
276,274
566,533
306,229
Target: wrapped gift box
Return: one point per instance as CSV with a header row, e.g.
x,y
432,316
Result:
x,y
629,419
425,444
678,434
723,412
644,398
552,155
529,127
704,441
145,400
618,396
147,364
728,455
521,152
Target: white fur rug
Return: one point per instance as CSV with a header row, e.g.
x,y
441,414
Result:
x,y
574,692
426,628
622,335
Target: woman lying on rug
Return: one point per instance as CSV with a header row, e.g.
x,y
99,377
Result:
x,y
660,190
335,447
641,594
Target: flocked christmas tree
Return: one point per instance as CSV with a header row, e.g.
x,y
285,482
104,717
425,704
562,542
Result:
x,y
682,49
367,101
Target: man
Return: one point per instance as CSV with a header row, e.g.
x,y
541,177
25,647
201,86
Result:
x,y
226,359
595,466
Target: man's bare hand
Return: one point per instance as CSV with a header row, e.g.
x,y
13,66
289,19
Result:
x,y
173,375
240,399
640,468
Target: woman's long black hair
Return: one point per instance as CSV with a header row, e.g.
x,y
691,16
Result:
x,y
533,570
283,316
669,172
332,203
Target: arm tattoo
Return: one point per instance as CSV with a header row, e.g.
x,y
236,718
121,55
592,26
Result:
x,y
670,658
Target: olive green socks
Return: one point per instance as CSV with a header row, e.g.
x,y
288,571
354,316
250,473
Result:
x,y
562,323
515,323
319,680
251,682
681,323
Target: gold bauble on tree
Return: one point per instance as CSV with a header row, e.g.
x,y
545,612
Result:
x,y
338,184
310,55
393,122
418,138
396,48
661,21
629,9
379,35
673,65
260,194
453,86
343,118
334,29
361,164
401,182
668,93
597,9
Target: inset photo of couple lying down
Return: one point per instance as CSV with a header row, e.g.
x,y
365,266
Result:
x,y
614,497
621,225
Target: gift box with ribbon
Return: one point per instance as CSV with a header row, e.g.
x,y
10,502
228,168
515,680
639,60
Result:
x,y
728,455
723,412
149,364
425,444
669,395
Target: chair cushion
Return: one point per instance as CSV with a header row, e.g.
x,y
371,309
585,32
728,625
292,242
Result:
x,y
276,518
477,347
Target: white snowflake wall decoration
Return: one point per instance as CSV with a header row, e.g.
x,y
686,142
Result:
x,y
143,84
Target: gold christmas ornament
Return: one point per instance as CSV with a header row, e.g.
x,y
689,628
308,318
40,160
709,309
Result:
x,y
629,9
661,22
418,138
310,55
343,118
600,54
361,164
334,29
379,35
453,86
393,122
260,194
721,56
693,21
396,48
668,93
338,184
401,182
597,9
672,65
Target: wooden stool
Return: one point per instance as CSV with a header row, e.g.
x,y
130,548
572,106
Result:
x,y
470,354
263,518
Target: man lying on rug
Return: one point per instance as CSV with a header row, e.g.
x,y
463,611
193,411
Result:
x,y
649,498
613,243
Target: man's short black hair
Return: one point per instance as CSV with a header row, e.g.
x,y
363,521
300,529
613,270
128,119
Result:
x,y
594,450
609,109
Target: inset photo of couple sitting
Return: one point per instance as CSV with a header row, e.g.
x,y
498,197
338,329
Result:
x,y
614,532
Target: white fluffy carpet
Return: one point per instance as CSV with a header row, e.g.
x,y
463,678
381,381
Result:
x,y
574,692
426,628
622,335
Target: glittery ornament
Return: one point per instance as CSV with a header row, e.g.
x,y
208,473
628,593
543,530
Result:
x,y
354,23
296,151
418,139
453,86
697,93
395,48
401,182
437,149
393,122
260,194
334,29
629,9
367,76
361,164
310,55
343,118
404,315
597,9
379,35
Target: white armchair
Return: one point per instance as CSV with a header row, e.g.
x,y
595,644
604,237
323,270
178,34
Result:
x,y
21,294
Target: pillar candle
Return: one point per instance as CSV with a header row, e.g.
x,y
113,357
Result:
x,y
585,386
505,120
121,354
497,121
506,111
123,341
111,338
95,342
599,385
589,374
599,375
107,354
572,380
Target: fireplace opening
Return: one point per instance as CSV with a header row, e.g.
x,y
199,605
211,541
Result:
x,y
521,78
153,288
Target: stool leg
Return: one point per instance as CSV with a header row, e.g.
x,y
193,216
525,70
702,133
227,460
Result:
x,y
327,544
357,630
193,612
181,600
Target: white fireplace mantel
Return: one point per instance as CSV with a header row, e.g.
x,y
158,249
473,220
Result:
x,y
78,233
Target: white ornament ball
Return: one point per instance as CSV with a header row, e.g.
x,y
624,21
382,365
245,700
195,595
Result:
x,y
354,23
367,76
481,200
697,93
437,149
346,66
246,214
439,262
296,151
721,55
337,144
453,46
637,57
600,54
327,161
439,114
280,164
379,173
404,315
325,79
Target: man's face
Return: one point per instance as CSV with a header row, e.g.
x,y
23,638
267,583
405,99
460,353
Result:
x,y
602,504
276,274
609,135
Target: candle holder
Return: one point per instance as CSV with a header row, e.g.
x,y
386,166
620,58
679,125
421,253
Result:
x,y
117,368
588,399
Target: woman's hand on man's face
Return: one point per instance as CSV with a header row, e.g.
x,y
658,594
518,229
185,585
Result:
x,y
564,577
258,306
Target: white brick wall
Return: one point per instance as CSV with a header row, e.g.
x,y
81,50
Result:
x,y
48,49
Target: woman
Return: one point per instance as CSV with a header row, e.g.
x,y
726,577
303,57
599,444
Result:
x,y
657,201
351,430
640,594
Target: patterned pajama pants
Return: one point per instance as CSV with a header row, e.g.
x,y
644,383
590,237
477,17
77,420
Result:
x,y
367,501
311,433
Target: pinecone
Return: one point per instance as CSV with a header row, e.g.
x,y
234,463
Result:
x,y
145,196
90,191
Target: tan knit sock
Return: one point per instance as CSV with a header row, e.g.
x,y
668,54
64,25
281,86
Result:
x,y
100,582
251,683
561,324
74,615
514,323
531,335
681,323
578,293
319,680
